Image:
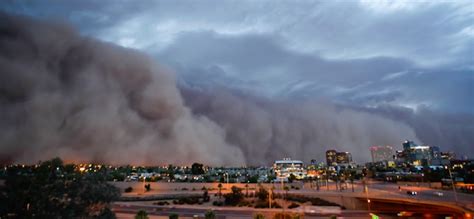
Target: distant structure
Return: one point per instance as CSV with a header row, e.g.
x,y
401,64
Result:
x,y
448,155
286,167
331,157
335,158
422,155
381,153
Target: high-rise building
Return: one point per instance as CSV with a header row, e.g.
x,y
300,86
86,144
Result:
x,y
331,157
448,155
343,157
407,145
335,158
419,155
381,153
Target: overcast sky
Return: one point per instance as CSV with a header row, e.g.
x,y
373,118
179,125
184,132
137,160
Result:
x,y
402,53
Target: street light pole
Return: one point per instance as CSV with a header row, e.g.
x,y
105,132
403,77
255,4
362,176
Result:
x,y
366,186
327,178
144,184
452,183
283,195
270,198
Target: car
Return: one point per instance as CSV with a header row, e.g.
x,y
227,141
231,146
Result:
x,y
405,214
438,193
412,193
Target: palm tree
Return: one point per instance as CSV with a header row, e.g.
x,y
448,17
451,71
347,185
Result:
x,y
220,190
247,190
286,188
141,215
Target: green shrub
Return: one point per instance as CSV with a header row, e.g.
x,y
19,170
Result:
x,y
262,194
148,187
210,214
217,203
188,200
128,189
161,203
261,204
235,197
141,215
259,216
107,213
287,216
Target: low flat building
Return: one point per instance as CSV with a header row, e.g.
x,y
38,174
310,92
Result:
x,y
286,167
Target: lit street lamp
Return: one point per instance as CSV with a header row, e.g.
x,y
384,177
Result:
x,y
452,183
144,184
227,177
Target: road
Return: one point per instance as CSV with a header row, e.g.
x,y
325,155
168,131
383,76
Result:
x,y
377,190
391,190
221,212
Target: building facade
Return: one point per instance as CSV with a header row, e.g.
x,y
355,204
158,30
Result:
x,y
286,167
381,153
419,155
335,158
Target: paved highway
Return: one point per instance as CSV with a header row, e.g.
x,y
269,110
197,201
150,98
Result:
x,y
377,190
227,212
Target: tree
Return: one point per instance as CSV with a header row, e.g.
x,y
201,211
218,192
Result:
x,y
291,178
205,196
53,191
197,169
106,213
210,214
148,187
141,215
287,216
259,216
234,197
219,186
170,172
173,216
253,179
262,194
286,188
270,178
247,190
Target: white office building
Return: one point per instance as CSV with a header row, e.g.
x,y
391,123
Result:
x,y
284,168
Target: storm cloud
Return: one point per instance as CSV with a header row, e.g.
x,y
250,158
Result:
x,y
268,130
84,100
268,79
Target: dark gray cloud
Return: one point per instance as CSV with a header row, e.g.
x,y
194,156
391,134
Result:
x,y
450,131
430,33
243,62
